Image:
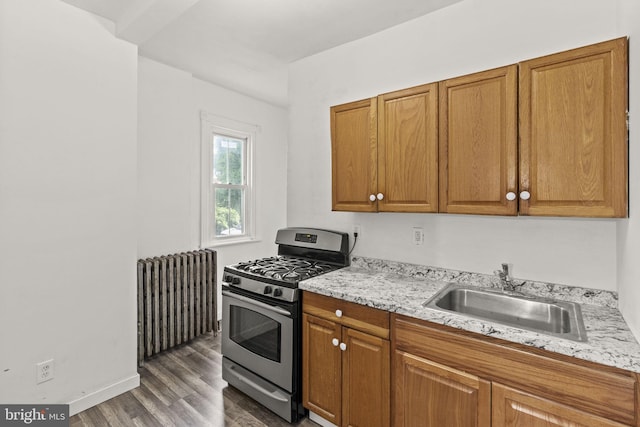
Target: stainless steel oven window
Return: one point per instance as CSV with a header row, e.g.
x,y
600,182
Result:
x,y
279,373
255,332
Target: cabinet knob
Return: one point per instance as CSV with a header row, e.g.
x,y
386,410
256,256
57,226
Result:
x,y
338,313
372,198
380,196
343,346
335,342
525,195
511,196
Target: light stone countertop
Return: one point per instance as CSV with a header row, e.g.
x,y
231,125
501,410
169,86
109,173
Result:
x,y
403,288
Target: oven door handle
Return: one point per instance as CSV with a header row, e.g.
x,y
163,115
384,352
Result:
x,y
275,395
275,309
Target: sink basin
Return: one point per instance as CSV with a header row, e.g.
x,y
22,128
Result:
x,y
558,318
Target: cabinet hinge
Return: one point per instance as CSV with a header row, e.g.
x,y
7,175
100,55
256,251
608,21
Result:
x,y
627,120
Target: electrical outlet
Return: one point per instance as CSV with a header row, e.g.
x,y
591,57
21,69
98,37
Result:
x,y
44,371
356,230
418,236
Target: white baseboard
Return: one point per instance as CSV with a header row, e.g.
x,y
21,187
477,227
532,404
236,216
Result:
x,y
319,420
102,395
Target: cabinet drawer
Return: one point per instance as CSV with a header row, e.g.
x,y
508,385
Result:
x,y
356,316
597,389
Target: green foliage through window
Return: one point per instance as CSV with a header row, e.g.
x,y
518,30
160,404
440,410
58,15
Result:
x,y
229,180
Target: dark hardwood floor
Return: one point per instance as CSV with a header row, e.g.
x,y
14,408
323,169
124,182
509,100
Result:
x,y
183,387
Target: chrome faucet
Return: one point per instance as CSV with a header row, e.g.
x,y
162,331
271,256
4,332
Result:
x,y
505,278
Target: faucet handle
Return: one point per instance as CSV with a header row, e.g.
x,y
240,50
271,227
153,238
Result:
x,y
505,278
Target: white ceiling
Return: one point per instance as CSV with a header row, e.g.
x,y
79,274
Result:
x,y
246,45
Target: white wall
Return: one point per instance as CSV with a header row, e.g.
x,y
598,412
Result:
x,y
629,231
270,178
170,102
67,195
167,154
469,36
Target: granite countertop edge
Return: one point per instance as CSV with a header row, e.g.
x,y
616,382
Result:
x,y
403,288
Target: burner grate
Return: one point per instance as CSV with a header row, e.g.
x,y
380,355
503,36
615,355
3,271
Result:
x,y
288,269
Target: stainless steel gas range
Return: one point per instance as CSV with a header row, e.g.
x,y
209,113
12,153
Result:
x,y
261,316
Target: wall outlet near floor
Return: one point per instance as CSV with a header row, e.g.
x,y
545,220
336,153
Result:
x,y
418,236
44,371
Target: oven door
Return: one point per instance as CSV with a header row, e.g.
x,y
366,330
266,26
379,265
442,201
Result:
x,y
259,336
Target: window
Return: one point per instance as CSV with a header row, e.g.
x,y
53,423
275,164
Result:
x,y
227,196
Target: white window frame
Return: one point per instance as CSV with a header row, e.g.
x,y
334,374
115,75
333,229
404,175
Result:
x,y
215,125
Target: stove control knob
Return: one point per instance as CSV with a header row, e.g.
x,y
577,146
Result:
x,y
338,313
267,290
227,279
277,292
235,281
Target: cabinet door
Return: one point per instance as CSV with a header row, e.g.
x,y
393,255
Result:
x,y
365,380
354,156
478,143
321,368
428,394
573,135
512,408
408,150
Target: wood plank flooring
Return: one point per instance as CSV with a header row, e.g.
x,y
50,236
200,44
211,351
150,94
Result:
x,y
183,387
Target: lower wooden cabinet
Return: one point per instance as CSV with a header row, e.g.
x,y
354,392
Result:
x,y
443,377
429,394
365,380
446,377
322,368
346,369
515,408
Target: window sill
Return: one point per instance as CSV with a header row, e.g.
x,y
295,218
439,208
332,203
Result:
x,y
231,242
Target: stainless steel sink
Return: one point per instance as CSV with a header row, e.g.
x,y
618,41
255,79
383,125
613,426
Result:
x,y
558,318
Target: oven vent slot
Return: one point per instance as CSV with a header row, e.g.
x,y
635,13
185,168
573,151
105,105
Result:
x,y
177,300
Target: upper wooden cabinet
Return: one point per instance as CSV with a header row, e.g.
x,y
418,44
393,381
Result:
x,y
408,150
385,152
478,143
573,134
547,136
354,155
